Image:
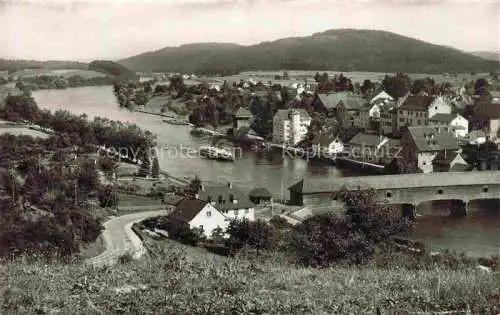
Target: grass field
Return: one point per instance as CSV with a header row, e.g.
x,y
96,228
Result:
x,y
136,201
180,281
62,72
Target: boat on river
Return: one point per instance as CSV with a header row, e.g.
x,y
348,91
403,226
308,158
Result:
x,y
175,121
216,153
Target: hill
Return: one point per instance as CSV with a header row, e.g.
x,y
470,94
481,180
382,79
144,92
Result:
x,y
343,50
18,65
111,68
489,55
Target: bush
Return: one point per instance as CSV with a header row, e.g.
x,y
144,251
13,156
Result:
x,y
279,222
325,239
108,197
253,234
180,231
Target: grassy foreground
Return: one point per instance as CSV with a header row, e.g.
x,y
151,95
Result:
x,y
172,283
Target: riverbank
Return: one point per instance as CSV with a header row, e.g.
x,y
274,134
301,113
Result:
x,y
178,281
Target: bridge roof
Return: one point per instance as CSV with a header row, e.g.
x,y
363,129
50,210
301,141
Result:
x,y
382,182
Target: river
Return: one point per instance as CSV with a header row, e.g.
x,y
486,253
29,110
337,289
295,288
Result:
x,y
478,234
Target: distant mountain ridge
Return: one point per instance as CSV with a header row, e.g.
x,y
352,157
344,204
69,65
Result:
x,y
488,55
343,50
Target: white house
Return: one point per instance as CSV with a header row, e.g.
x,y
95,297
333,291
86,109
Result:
x,y
415,110
383,96
327,145
456,123
199,214
228,200
290,126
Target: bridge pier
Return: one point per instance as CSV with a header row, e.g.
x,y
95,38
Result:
x,y
408,211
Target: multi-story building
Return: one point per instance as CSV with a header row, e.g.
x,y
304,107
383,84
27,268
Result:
x,y
416,110
422,144
290,126
456,123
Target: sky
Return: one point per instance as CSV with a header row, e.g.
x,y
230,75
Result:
x,y
99,29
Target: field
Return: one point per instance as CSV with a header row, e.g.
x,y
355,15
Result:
x,y
87,74
181,281
299,76
136,201
22,131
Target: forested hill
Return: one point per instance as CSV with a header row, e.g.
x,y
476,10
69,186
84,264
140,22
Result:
x,y
343,50
13,65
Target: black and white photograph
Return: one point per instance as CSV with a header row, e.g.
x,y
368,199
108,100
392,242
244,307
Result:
x,y
215,157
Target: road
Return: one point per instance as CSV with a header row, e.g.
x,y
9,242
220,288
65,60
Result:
x,y
120,239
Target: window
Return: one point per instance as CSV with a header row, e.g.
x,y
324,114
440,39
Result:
x,y
485,189
201,227
209,214
440,191
220,199
388,194
231,197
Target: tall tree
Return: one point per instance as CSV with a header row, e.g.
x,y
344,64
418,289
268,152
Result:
x,y
155,168
145,169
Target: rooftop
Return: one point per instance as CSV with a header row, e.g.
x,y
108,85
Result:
x,y
226,197
448,118
187,209
417,102
331,100
429,138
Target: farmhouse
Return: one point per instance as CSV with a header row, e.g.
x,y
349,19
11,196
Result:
x,y
199,214
416,110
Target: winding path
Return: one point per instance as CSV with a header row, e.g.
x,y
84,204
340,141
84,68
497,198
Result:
x,y
120,239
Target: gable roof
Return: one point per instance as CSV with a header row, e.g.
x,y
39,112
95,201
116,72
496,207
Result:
x,y
417,102
380,96
331,100
187,209
445,157
353,103
447,118
260,192
243,113
211,194
431,139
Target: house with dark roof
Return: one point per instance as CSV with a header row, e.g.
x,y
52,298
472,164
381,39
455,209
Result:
x,y
349,108
486,116
259,194
228,200
456,123
199,214
327,103
421,145
242,118
325,144
372,148
449,162
416,110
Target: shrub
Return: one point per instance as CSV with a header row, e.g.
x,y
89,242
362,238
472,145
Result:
x,y
108,197
253,234
279,222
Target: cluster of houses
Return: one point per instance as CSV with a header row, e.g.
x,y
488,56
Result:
x,y
428,129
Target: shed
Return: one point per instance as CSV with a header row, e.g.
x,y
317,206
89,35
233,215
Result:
x,y
259,194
